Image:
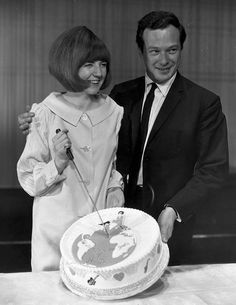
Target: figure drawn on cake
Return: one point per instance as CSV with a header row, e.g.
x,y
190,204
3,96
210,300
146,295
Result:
x,y
98,250
92,281
119,220
146,266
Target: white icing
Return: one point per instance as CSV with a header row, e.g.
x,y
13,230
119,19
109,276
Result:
x,y
125,240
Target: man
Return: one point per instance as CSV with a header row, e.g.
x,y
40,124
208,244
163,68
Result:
x,y
184,154
173,140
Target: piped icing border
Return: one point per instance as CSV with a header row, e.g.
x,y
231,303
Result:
x,y
121,292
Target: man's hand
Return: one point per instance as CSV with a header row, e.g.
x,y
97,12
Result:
x,y
25,119
115,197
166,222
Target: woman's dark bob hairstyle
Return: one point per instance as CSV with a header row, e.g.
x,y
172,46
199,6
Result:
x,y
70,51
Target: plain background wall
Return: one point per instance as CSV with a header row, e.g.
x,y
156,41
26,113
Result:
x,y
28,27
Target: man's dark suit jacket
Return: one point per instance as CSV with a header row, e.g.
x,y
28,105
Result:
x,y
187,152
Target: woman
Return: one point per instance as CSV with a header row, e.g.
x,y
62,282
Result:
x,y
87,123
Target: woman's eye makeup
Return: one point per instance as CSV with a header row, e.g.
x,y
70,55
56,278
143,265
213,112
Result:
x,y
88,64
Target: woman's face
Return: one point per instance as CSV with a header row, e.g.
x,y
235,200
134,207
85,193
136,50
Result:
x,y
95,73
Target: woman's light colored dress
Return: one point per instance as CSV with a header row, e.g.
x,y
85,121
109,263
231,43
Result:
x,y
59,200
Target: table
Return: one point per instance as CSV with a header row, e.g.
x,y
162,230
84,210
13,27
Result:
x,y
179,285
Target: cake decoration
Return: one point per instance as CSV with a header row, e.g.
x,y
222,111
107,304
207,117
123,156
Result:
x,y
92,281
100,250
116,265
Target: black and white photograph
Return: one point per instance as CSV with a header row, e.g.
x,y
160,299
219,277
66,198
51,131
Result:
x,y
118,143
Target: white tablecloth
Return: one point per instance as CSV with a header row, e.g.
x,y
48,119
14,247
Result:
x,y
190,285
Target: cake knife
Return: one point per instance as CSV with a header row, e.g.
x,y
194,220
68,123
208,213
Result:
x,y
71,157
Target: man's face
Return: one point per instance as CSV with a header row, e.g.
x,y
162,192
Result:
x,y
161,53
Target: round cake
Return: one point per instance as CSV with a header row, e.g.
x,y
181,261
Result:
x,y
115,258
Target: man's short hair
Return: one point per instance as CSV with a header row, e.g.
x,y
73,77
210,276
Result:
x,y
70,51
158,20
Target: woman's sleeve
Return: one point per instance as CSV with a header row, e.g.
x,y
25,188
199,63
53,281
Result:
x,y
36,169
116,179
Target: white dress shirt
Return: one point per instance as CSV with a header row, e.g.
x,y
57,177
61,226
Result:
x,y
160,94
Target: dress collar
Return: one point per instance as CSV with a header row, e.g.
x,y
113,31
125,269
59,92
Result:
x,y
71,114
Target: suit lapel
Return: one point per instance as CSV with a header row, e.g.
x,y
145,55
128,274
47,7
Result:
x,y
137,97
172,99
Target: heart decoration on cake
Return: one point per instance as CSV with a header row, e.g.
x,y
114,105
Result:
x,y
119,276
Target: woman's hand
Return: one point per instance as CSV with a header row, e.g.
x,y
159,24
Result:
x,y
25,119
115,197
61,143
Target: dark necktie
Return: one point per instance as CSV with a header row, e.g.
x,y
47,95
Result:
x,y
142,134
146,113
